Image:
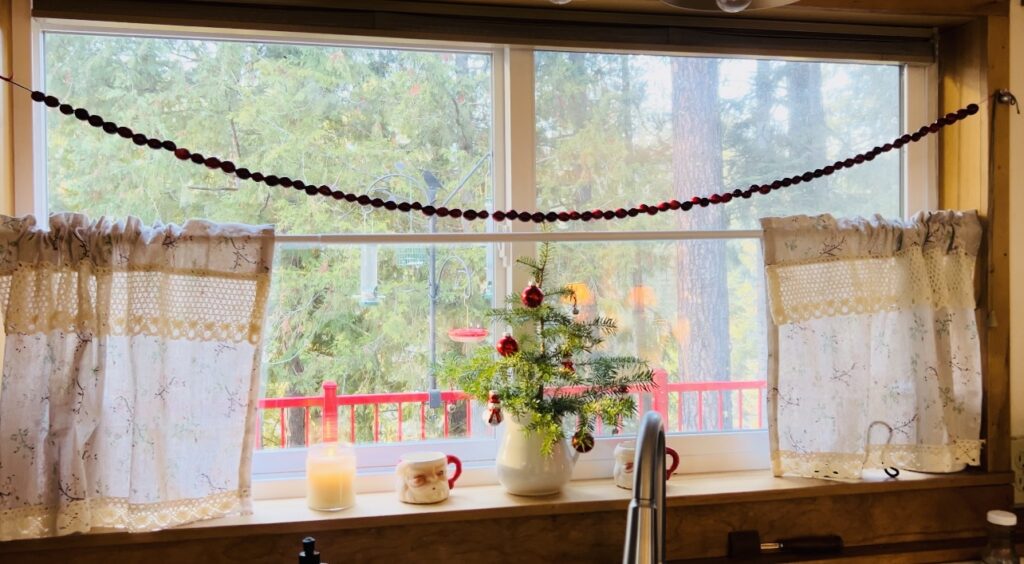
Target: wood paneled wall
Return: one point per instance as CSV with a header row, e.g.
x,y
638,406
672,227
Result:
x,y
694,531
6,111
974,174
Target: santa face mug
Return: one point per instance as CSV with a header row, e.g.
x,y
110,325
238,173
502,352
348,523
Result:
x,y
422,477
625,452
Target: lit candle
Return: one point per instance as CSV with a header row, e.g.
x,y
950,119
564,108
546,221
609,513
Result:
x,y
330,476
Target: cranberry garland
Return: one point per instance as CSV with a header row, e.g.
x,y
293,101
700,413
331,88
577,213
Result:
x,y
229,167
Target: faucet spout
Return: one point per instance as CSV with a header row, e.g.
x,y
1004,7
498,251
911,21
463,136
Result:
x,y
645,525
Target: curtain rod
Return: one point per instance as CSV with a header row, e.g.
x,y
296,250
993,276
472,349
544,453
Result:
x,y
513,237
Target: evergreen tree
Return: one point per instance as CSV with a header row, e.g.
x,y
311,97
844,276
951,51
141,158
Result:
x,y
554,370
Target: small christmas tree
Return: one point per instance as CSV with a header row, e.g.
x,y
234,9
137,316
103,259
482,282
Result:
x,y
551,372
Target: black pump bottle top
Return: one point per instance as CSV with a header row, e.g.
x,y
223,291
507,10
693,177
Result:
x,y
309,554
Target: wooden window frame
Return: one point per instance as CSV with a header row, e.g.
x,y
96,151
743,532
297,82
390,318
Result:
x,y
972,63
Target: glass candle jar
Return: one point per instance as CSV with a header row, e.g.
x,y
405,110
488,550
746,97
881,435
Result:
x,y
330,476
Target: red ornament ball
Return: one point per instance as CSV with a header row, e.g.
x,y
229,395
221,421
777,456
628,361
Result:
x,y
532,296
568,366
583,441
507,345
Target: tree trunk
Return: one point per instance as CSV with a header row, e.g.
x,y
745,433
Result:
x,y
295,419
764,100
627,102
806,135
702,291
295,422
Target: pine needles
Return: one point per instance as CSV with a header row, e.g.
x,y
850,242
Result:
x,y
556,373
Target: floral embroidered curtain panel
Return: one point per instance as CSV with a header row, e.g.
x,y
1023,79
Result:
x,y
130,372
876,360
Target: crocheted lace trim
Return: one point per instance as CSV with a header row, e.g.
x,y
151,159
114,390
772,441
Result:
x,y
865,285
197,305
79,516
849,466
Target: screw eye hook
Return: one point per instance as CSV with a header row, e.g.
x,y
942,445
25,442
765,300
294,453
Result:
x,y
1007,97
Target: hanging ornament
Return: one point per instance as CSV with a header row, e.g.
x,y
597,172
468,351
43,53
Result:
x,y
582,441
532,296
568,366
507,345
493,416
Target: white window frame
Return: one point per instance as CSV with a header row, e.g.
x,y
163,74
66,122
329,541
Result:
x,y
279,473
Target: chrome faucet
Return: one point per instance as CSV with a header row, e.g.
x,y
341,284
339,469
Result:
x,y
645,525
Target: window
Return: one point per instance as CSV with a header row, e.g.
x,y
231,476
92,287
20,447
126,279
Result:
x,y
349,319
363,301
657,141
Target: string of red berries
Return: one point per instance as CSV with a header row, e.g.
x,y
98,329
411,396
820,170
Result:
x,y
243,173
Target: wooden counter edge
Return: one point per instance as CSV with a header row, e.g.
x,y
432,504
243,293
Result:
x,y
491,502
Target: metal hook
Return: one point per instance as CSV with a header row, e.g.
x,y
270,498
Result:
x,y
10,80
890,471
1007,97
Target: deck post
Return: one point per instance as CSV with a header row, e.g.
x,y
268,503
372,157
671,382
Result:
x,y
330,415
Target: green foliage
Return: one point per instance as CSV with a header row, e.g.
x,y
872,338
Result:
x,y
375,119
534,384
361,119
604,138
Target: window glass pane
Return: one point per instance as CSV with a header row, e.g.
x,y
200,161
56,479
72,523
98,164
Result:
x,y
369,334
704,334
619,129
412,125
358,317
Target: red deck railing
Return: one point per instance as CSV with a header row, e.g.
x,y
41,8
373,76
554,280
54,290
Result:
x,y
681,404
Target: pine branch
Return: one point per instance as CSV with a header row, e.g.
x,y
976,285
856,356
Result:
x,y
533,384
531,264
564,292
544,257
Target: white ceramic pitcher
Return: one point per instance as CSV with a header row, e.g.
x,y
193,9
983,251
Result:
x,y
524,470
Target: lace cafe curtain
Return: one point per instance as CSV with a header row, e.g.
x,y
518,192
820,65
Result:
x,y
129,381
876,360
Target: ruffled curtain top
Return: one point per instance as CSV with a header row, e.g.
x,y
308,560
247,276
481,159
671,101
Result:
x,y
822,266
198,280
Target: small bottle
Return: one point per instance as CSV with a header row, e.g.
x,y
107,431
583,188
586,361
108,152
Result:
x,y
309,554
1000,548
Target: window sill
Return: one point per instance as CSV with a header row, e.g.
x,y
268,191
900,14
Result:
x,y
583,496
373,510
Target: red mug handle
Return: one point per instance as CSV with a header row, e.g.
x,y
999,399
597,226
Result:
x,y
671,452
452,459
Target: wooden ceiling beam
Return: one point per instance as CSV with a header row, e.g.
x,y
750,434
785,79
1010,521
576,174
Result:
x,y
677,33
907,12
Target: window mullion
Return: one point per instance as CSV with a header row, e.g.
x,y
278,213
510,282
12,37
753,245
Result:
x,y
520,154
